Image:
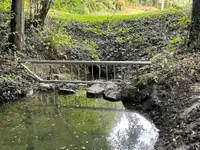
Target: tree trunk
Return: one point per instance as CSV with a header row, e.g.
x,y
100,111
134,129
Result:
x,y
41,16
194,39
16,37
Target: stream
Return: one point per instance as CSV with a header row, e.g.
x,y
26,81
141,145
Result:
x,y
48,121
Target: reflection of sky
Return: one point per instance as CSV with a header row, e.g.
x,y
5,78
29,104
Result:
x,y
150,130
147,135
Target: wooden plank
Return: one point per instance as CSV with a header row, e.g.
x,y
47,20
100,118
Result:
x,y
78,82
87,62
31,72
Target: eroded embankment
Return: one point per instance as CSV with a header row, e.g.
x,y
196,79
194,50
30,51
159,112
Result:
x,y
136,39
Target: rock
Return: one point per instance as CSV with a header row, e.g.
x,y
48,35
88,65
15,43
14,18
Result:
x,y
74,87
46,87
27,92
95,91
30,92
128,93
112,92
66,91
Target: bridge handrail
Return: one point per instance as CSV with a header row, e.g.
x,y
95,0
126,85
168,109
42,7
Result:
x,y
86,62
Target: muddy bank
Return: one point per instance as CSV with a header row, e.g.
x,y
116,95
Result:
x,y
171,101
176,118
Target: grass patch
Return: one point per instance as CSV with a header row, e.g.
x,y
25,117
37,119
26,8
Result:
x,y
65,16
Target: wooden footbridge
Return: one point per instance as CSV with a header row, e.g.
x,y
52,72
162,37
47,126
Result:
x,y
82,72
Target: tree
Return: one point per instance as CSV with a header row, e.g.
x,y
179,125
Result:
x,y
194,39
38,10
119,4
40,15
16,37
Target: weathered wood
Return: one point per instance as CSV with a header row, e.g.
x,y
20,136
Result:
x,y
77,82
31,72
83,62
87,62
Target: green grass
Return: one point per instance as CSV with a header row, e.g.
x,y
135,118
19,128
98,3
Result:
x,y
65,16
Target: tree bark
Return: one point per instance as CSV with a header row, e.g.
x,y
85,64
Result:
x,y
16,37
41,16
194,37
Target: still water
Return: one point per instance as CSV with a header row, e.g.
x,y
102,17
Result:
x,y
47,121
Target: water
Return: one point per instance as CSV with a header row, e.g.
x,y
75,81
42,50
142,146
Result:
x,y
52,122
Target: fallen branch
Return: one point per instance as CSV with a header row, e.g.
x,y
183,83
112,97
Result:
x,y
31,72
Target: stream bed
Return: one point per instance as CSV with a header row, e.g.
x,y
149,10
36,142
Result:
x,y
48,121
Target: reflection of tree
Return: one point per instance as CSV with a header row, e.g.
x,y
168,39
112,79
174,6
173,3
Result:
x,y
127,138
79,128
144,146
45,125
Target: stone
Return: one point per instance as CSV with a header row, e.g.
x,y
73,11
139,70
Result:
x,y
112,92
27,92
66,91
46,87
128,93
95,91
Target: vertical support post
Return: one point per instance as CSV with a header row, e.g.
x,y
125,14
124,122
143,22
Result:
x,y
78,72
92,72
137,70
71,71
114,75
122,81
106,72
85,72
80,99
128,73
99,72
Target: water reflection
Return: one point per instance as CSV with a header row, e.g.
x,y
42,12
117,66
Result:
x,y
49,121
133,132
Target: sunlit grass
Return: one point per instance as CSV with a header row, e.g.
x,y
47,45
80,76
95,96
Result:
x,y
65,16
58,14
